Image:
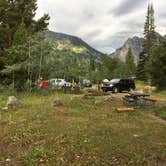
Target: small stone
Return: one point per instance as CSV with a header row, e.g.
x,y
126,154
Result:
x,y
8,160
135,135
88,97
13,103
56,102
109,99
41,160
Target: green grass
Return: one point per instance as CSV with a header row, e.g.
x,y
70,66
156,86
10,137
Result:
x,y
161,112
80,132
160,93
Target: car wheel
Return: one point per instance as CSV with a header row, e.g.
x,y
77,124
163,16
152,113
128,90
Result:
x,y
115,90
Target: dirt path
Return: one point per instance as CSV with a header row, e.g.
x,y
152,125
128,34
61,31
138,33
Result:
x,y
157,119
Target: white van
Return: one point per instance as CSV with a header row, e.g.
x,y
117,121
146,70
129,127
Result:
x,y
57,82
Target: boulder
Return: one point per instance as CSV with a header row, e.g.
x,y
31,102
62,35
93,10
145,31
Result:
x,y
13,103
56,102
110,99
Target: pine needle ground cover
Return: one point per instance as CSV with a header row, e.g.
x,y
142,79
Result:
x,y
80,132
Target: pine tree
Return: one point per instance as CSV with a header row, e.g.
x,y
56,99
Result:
x,y
157,66
149,42
12,14
20,35
140,73
92,64
130,65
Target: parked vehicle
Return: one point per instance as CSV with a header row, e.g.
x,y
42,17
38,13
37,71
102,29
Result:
x,y
67,84
57,83
86,83
119,85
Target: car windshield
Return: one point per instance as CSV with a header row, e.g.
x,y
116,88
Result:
x,y
59,80
86,81
114,81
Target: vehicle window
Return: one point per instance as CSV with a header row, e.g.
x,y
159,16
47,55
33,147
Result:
x,y
59,80
122,81
127,81
130,81
115,81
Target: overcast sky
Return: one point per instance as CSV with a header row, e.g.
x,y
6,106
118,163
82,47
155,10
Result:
x,y
104,24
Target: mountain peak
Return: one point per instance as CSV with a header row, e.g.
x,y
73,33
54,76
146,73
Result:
x,y
134,43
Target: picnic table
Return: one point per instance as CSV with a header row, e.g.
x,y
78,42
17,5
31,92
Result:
x,y
138,98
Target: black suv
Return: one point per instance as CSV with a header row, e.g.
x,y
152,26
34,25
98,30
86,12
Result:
x,y
119,85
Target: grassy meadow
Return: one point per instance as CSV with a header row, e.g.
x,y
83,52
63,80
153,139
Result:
x,y
81,132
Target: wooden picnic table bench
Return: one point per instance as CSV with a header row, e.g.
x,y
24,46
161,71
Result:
x,y
128,98
149,100
138,98
138,94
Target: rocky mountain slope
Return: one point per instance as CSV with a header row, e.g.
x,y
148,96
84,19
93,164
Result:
x,y
134,43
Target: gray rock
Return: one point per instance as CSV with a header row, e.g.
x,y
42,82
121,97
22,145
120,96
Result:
x,y
109,99
56,102
13,103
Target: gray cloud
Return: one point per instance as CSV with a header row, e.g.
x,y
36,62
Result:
x,y
127,6
87,14
92,35
104,24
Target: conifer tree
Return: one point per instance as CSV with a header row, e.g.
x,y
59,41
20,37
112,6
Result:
x,y
157,66
149,42
20,35
140,73
13,13
130,65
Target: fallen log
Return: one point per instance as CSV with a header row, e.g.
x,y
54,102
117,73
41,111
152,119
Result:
x,y
125,109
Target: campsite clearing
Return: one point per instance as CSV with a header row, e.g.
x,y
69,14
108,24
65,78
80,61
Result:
x,y
80,132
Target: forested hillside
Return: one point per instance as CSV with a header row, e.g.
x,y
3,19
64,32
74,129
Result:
x,y
71,43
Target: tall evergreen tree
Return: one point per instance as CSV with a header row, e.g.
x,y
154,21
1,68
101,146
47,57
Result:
x,y
149,42
130,65
20,35
157,66
12,14
140,72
